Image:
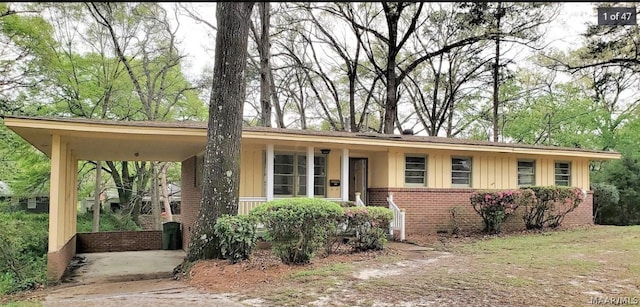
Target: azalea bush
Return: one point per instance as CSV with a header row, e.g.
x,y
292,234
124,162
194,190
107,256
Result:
x,y
550,205
370,226
496,206
237,235
297,227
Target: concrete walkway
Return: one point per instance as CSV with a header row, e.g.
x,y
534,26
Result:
x,y
127,266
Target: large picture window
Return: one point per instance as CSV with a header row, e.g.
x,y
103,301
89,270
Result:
x,y
461,171
526,173
415,170
563,173
290,175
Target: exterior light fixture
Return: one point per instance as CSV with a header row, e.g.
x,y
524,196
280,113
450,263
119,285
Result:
x,y
325,151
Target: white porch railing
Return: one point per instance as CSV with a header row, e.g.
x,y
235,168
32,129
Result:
x,y
398,218
247,203
359,202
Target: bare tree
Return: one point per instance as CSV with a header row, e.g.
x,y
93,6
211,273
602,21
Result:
x,y
153,67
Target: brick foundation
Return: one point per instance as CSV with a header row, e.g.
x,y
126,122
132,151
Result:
x,y
189,200
119,241
58,261
428,210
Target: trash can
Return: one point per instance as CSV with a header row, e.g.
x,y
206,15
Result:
x,y
171,236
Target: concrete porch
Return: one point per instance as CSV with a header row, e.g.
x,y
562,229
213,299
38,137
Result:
x,y
126,266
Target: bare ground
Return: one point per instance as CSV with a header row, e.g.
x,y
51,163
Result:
x,y
562,268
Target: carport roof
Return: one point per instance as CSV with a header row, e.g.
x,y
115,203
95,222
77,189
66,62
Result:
x,y
94,139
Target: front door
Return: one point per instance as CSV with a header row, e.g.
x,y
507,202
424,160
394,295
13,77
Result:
x,y
358,178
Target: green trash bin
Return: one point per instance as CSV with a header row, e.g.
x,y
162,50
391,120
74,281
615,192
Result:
x,y
171,236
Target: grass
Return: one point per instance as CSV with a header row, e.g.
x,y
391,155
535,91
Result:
x,y
329,270
551,268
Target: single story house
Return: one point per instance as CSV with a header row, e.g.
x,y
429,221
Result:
x,y
426,175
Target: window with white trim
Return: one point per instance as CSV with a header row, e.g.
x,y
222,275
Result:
x,y
526,173
415,170
563,173
290,175
461,171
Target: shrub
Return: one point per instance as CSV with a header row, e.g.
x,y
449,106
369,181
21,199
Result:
x,y
108,222
494,207
457,216
550,205
605,203
23,248
237,234
370,225
297,227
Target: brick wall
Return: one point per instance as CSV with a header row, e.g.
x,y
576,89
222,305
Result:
x,y
146,221
119,241
190,199
427,210
58,261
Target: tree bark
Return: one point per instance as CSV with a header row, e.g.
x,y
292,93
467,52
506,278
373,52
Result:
x,y
496,76
155,198
265,68
165,191
96,200
221,174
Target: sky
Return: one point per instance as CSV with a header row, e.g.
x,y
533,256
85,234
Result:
x,y
197,42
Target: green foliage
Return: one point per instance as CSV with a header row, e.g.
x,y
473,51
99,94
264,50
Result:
x,y
370,225
550,205
495,206
108,222
567,116
624,174
297,227
237,236
605,203
23,249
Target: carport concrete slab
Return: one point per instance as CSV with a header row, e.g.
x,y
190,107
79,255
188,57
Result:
x,y
127,266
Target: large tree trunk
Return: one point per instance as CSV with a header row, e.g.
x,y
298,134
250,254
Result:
x,y
496,77
220,188
265,68
391,104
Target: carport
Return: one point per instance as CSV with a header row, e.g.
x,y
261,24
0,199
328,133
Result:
x,y
67,141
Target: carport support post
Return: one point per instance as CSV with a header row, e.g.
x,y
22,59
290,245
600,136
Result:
x,y
344,176
269,187
62,207
57,193
310,172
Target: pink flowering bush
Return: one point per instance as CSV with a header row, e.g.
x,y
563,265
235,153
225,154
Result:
x,y
550,205
495,207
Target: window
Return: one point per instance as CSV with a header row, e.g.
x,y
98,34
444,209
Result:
x,y
290,175
563,173
415,170
526,173
461,171
31,203
319,175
